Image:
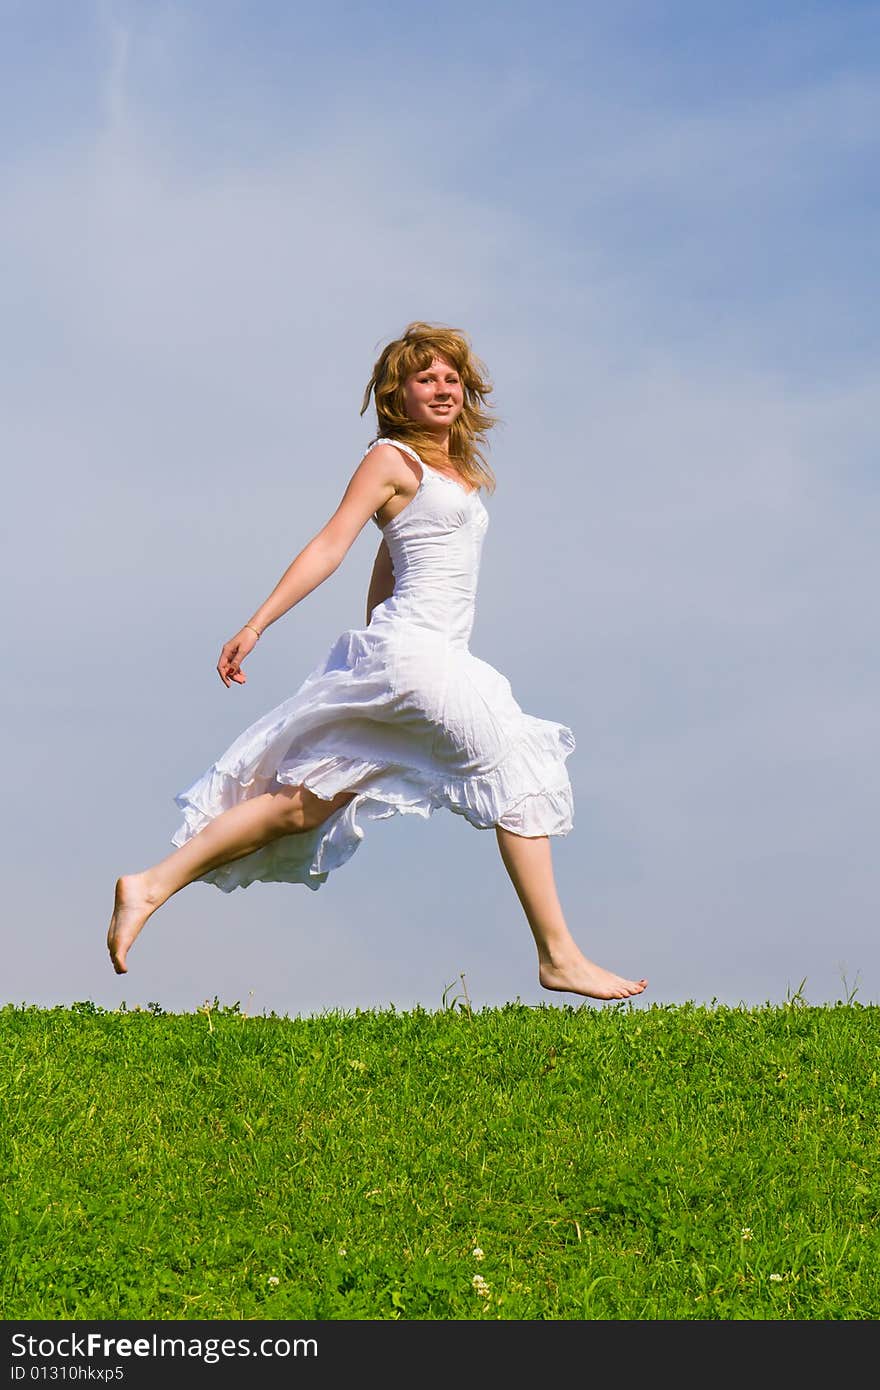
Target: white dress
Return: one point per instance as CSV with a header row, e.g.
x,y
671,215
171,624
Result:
x,y
400,712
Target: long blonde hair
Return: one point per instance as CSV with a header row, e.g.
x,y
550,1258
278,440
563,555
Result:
x,y
414,352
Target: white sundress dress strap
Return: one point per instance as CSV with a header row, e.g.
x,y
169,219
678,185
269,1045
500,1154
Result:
x,y
399,444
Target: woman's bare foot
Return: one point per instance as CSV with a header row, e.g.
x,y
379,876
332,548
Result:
x,y
582,976
132,908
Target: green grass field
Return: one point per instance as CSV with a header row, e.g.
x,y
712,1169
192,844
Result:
x,y
676,1162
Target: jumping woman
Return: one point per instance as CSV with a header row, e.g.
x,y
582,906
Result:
x,y
400,717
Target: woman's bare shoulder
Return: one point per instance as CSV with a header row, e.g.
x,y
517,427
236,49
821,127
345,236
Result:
x,y
394,464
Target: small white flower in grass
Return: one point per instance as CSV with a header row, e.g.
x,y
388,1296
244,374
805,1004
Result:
x,y
776,1278
342,1251
477,1253
274,1281
480,1285
746,1233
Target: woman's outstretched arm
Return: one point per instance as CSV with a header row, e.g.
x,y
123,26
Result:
x,y
314,563
376,479
381,580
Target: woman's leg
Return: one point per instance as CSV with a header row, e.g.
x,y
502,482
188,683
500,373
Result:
x,y
237,832
561,963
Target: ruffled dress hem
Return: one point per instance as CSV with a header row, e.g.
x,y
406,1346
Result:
x,y
504,796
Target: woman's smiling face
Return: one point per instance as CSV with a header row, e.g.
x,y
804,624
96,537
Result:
x,y
435,396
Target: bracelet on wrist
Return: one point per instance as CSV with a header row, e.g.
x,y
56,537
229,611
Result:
x,y
254,629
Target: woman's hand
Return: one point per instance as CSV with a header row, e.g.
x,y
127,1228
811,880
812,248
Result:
x,y
233,654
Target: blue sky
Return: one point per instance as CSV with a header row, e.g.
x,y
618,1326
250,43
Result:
x,y
657,223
